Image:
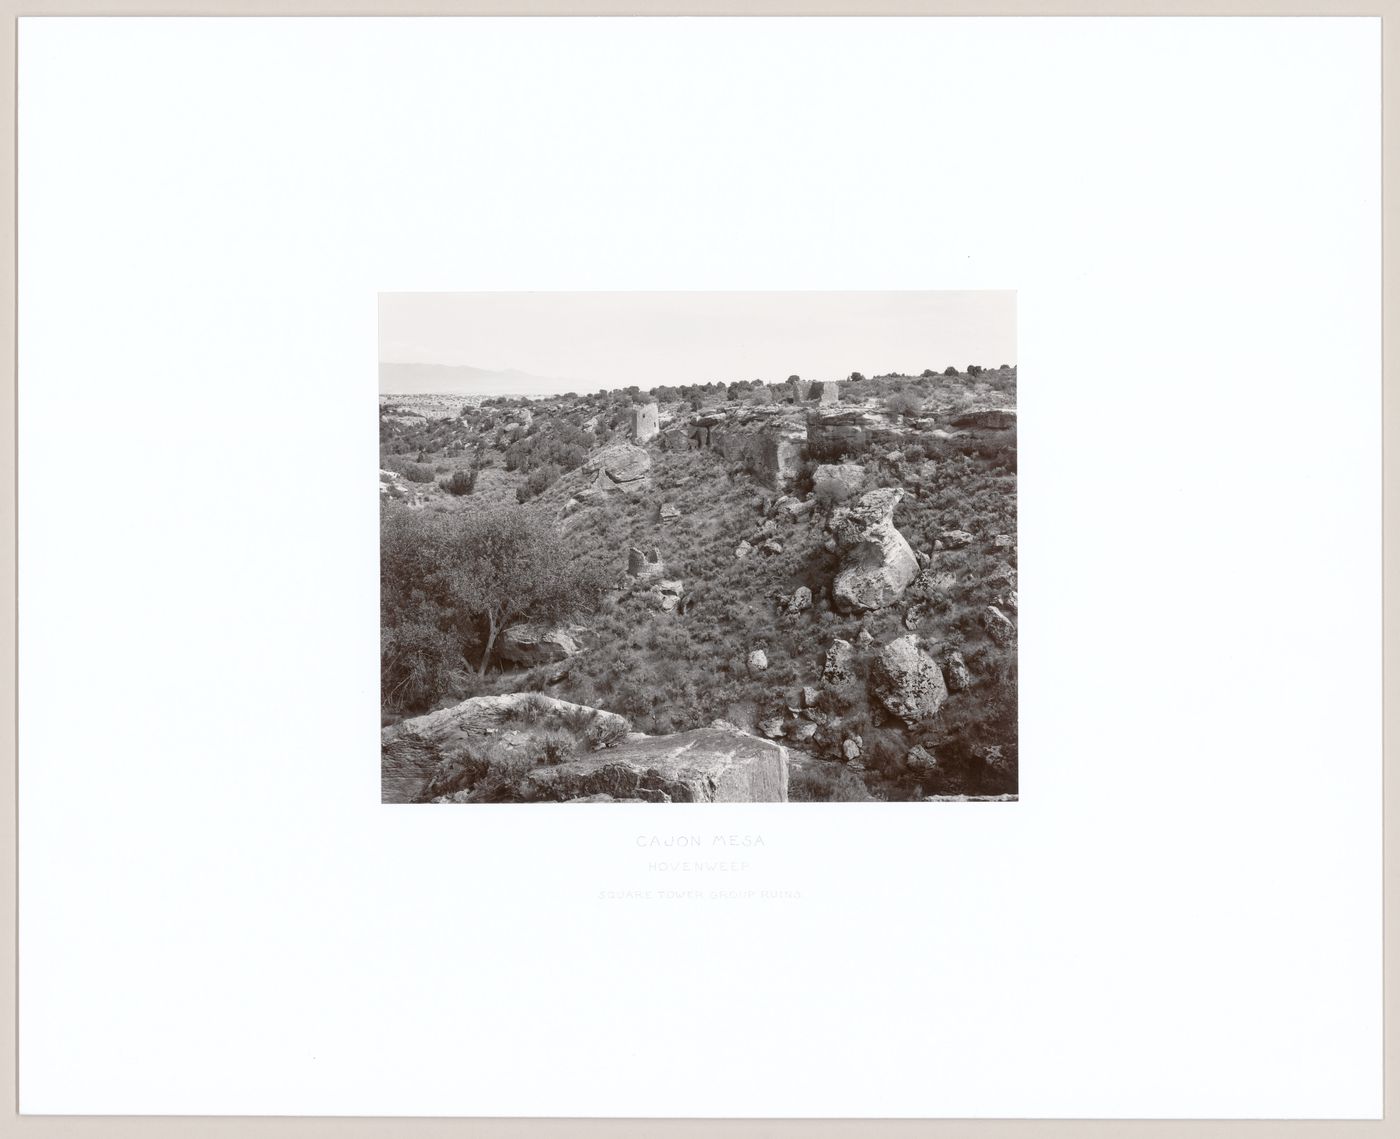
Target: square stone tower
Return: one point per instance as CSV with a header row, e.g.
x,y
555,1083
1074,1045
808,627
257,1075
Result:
x,y
642,422
831,392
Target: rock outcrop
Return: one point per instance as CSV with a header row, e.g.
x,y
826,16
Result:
x,y
451,754
422,756
832,432
987,419
623,466
668,594
758,661
907,681
707,765
877,563
531,644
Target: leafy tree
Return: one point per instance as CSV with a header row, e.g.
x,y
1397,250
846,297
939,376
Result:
x,y
505,565
950,370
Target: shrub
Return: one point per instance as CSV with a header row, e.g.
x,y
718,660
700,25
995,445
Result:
x,y
418,472
856,377
537,482
950,370
830,493
903,403
461,482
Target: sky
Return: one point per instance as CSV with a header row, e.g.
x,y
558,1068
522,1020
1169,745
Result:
x,y
595,340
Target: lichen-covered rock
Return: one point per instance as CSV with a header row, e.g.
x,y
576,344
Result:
x,y
809,696
772,546
707,765
955,539
772,727
877,562
907,681
800,601
742,550
837,669
998,626
532,644
804,731
758,660
669,512
851,748
959,676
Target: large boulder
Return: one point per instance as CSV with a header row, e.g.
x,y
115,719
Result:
x,y
959,675
907,681
998,626
668,594
621,463
532,644
877,562
707,765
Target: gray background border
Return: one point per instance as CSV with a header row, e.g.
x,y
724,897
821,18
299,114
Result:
x,y
138,1127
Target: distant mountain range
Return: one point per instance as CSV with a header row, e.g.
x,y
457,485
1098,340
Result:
x,y
460,379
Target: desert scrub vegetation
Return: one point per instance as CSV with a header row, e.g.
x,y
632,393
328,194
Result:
x,y
827,782
673,671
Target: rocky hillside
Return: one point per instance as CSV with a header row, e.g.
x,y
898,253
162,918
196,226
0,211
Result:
x,y
828,567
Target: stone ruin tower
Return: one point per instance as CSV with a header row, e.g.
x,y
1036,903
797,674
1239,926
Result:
x,y
642,422
831,392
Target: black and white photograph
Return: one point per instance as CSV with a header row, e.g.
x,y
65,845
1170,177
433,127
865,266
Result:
x,y
698,547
